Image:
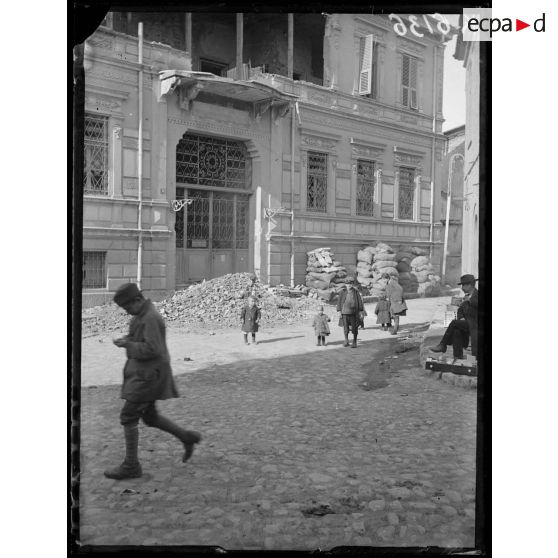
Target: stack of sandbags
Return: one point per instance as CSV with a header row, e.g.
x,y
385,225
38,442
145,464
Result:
x,y
324,273
403,257
423,273
365,260
384,263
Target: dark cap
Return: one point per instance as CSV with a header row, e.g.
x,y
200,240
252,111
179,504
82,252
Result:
x,y
467,280
125,293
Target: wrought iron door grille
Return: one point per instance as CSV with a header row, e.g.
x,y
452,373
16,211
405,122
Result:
x,y
197,223
406,193
365,188
93,270
316,194
223,220
242,209
211,161
95,176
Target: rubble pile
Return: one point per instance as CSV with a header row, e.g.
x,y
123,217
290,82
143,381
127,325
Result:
x,y
211,304
325,276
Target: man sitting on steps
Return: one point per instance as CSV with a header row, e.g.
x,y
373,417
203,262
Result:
x,y
458,332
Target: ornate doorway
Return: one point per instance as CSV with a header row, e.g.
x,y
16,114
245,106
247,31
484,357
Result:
x,y
212,232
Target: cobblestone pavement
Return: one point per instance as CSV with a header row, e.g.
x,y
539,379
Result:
x,y
316,449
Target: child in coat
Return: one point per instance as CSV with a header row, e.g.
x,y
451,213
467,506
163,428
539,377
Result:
x,y
250,317
382,311
321,329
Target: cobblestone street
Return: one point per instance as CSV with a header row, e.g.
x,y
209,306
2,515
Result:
x,y
303,447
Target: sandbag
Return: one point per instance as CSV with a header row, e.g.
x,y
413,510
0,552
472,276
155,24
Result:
x,y
390,271
404,276
384,256
341,273
314,269
315,284
337,263
364,256
326,277
383,247
419,251
364,280
403,267
428,267
371,249
419,260
425,289
363,265
362,273
421,276
382,263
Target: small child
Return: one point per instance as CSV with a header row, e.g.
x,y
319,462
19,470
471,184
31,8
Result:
x,y
321,329
249,318
382,311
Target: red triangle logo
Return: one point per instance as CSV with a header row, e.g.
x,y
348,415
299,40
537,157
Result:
x,y
519,25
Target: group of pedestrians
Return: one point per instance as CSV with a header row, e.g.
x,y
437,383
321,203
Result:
x,y
148,375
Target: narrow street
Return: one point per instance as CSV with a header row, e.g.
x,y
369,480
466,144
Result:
x,y
307,447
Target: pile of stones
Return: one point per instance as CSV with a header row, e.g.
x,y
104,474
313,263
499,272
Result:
x,y
211,304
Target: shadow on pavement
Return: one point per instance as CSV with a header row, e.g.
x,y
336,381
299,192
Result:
x,y
260,342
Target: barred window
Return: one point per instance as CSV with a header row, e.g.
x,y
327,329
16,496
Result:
x,y
406,195
316,194
365,188
95,179
209,161
94,271
409,82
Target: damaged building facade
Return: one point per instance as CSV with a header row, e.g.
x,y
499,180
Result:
x,y
263,136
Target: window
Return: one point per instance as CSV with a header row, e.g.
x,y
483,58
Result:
x,y
365,188
316,191
93,270
409,82
209,161
406,195
368,67
95,179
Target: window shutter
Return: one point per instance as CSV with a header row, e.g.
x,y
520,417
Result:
x,y
405,71
413,83
365,77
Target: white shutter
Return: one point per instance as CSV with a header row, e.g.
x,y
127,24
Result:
x,y
365,77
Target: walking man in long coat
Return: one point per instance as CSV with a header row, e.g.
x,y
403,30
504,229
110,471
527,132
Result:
x,y
458,331
351,306
147,378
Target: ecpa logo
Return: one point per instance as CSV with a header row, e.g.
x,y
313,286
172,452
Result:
x,y
479,25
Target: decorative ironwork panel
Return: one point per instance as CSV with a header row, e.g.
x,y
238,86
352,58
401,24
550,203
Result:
x,y
365,188
242,213
316,193
197,222
95,176
211,161
94,270
223,220
406,193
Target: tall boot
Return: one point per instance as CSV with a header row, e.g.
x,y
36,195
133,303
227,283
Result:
x,y
346,344
187,437
354,345
130,468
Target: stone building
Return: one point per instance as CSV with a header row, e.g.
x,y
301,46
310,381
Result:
x,y
452,163
468,52
263,136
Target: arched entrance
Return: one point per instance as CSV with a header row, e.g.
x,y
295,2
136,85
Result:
x,y
212,232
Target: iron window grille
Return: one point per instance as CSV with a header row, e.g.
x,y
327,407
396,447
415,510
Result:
x,y
406,195
409,82
95,179
209,161
365,188
94,270
316,192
